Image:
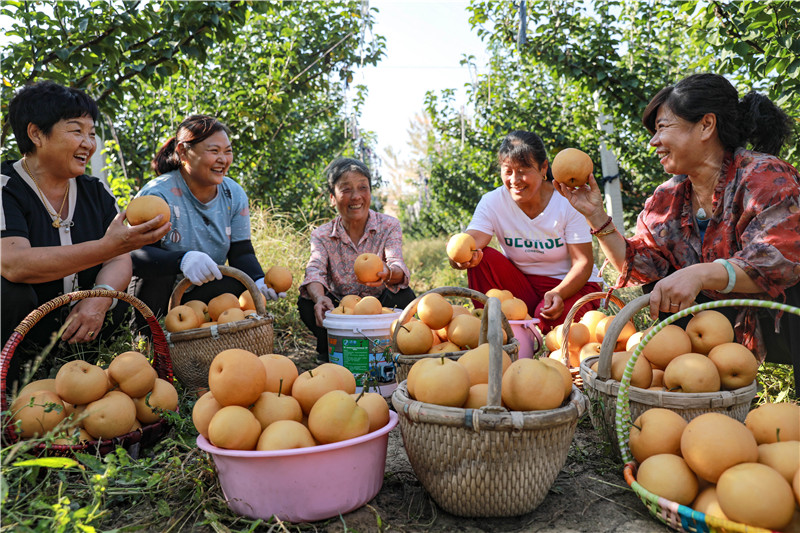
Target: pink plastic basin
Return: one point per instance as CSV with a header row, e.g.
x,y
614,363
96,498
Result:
x,y
528,335
306,484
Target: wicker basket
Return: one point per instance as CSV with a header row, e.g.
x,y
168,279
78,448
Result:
x,y
162,363
193,350
489,461
575,371
403,363
674,515
602,390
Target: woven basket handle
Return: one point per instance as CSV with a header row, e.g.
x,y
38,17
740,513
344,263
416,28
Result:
x,y
258,299
623,415
161,360
592,296
610,339
492,318
462,292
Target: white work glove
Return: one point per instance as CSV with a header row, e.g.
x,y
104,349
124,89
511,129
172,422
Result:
x,y
199,267
268,292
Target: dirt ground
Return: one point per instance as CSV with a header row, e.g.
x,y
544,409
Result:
x,y
589,495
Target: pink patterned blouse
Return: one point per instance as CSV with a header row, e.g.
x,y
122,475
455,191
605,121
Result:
x,y
333,254
755,223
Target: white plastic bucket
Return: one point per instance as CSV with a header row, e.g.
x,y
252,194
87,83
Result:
x,y
361,343
528,335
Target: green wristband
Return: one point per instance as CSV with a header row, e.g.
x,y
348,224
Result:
x,y
731,275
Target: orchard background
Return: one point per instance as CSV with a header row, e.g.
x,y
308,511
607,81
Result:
x,y
279,74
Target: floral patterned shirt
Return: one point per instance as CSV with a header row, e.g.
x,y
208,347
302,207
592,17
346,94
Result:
x,y
333,254
755,223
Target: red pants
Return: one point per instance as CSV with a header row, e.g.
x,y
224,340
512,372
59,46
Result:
x,y
495,271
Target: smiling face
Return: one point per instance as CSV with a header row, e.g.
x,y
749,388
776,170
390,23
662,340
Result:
x,y
67,148
351,196
676,141
207,161
524,182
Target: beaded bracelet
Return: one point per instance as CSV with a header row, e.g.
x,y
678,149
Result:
x,y
605,232
601,228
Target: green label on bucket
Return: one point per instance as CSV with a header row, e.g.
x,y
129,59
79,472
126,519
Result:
x,y
355,353
361,356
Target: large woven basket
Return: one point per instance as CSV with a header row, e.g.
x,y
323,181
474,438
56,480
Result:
x,y
403,363
162,363
193,350
674,515
489,461
575,371
603,391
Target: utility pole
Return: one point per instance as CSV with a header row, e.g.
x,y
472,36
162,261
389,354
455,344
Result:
x,y
610,169
98,161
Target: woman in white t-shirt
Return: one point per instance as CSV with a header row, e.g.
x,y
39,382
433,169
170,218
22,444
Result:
x,y
547,247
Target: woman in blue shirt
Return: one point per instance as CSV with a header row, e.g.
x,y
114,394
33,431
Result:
x,y
210,220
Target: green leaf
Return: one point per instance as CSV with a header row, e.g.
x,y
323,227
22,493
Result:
x,y
793,70
163,508
91,462
49,462
62,54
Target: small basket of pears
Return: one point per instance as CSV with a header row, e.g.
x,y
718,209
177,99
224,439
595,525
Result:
x,y
442,329
487,436
87,407
572,342
691,371
193,348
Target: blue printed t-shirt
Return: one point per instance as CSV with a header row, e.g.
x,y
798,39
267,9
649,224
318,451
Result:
x,y
535,245
209,227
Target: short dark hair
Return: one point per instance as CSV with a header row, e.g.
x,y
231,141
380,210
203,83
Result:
x,y
193,129
341,166
523,148
44,104
753,119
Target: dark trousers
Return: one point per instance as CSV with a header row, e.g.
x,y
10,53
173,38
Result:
x,y
155,293
18,300
305,307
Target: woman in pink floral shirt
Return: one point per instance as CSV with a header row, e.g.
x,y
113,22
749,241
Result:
x,y
727,224
336,245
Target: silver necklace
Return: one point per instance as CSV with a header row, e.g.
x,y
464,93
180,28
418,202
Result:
x,y
700,214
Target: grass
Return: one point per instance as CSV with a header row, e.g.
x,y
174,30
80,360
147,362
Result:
x,y
172,486
277,242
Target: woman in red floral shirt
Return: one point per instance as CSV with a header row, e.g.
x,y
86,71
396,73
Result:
x,y
336,245
727,224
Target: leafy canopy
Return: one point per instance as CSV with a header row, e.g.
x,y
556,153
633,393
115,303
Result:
x,y
277,73
581,63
